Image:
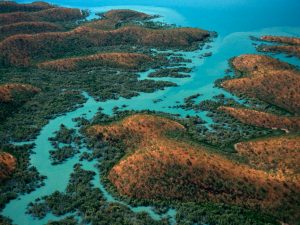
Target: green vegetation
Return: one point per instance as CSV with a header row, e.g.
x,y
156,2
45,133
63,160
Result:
x,y
118,18
25,179
28,28
66,143
188,213
58,93
55,14
5,221
55,99
82,197
266,79
64,135
27,120
287,45
226,130
221,214
180,72
88,201
67,221
8,7
60,155
118,32
62,91
13,96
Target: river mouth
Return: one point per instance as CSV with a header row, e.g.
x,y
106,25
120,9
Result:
x,y
205,72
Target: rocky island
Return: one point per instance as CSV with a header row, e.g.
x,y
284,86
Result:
x,y
288,45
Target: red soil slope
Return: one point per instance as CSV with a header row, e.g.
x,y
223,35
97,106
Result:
x,y
118,60
19,49
7,91
289,45
125,15
262,119
157,167
7,165
48,15
282,39
111,19
277,154
28,28
267,79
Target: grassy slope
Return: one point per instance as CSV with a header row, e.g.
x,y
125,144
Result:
x,y
28,28
115,18
279,154
267,79
12,96
288,45
157,167
58,14
7,165
7,91
115,60
263,119
52,45
8,7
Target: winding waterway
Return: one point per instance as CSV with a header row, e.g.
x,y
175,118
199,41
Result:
x,y
230,42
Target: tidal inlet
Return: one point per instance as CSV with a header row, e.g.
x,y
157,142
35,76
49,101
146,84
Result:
x,y
150,112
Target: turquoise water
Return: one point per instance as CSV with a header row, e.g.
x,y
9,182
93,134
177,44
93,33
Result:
x,y
234,20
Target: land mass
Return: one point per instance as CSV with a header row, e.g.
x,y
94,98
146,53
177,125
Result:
x,y
56,54
277,154
127,61
159,167
7,165
51,45
9,6
49,56
13,96
263,119
287,45
267,79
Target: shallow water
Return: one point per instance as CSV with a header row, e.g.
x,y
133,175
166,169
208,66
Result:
x,y
234,20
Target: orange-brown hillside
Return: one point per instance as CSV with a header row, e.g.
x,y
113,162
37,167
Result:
x,y
267,79
158,167
279,154
112,19
288,45
7,91
263,119
28,28
118,60
8,6
287,49
282,39
12,96
7,165
20,49
125,15
47,15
